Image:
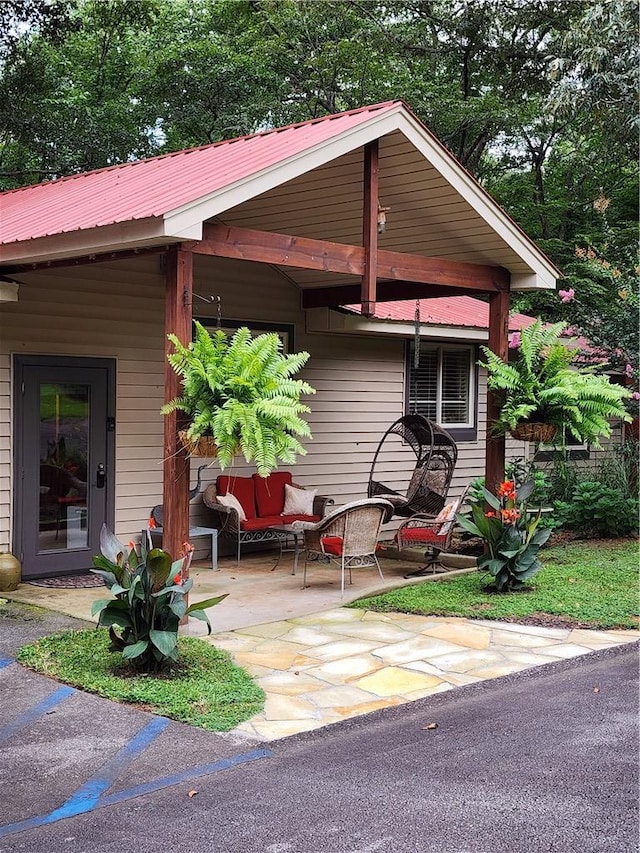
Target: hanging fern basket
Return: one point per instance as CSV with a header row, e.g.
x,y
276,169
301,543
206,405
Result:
x,y
204,446
538,433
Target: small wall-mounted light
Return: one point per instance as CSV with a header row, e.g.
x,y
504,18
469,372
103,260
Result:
x,y
8,289
382,218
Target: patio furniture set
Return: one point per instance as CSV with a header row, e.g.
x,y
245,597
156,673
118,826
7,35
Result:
x,y
250,510
255,510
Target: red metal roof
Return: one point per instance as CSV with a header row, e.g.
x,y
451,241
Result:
x,y
462,311
150,188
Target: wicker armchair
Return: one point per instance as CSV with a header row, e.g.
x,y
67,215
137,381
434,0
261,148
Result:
x,y
433,533
347,536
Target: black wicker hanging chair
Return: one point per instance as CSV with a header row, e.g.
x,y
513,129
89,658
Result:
x,y
436,455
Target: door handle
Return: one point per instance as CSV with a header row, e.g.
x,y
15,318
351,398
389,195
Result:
x,y
100,476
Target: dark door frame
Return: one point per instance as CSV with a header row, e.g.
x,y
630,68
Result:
x,y
19,362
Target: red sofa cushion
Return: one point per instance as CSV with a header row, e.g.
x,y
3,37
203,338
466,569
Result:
x,y
332,545
258,523
270,492
242,488
289,519
422,534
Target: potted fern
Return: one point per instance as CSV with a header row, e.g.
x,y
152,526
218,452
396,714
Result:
x,y
543,390
238,393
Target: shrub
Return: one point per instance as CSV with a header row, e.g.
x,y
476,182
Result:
x,y
598,510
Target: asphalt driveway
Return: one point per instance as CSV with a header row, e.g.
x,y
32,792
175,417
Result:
x,y
542,760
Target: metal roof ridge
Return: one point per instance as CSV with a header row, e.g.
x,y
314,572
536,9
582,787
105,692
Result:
x,y
219,143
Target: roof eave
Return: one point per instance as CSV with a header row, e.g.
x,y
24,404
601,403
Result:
x,y
323,320
119,236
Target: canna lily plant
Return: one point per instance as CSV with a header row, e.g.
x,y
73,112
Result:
x,y
512,535
241,392
149,590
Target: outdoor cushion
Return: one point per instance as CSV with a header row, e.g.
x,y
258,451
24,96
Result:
x,y
270,492
298,501
289,519
332,545
242,488
445,517
233,503
422,534
261,523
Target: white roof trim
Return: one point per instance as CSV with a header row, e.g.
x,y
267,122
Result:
x,y
323,320
136,234
215,203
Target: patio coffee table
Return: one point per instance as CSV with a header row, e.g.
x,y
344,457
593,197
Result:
x,y
285,532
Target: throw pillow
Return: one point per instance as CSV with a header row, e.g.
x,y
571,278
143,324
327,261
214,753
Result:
x,y
233,503
446,517
298,501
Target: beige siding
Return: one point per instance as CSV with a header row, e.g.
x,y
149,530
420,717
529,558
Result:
x,y
116,310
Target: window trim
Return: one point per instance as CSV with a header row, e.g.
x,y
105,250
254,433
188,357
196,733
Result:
x,y
460,432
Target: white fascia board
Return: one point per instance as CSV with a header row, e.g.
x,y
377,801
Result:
x,y
544,274
121,236
324,320
191,215
531,281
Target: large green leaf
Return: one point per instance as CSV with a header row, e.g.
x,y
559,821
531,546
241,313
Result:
x,y
208,602
99,605
135,649
164,641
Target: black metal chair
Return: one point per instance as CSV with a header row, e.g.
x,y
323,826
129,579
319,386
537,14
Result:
x,y
436,456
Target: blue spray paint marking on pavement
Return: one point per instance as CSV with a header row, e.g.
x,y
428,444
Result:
x,y
139,790
5,662
192,773
30,716
88,795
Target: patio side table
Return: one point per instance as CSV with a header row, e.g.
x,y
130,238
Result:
x,y
194,533
285,532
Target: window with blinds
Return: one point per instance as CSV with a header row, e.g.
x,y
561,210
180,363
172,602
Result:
x,y
442,386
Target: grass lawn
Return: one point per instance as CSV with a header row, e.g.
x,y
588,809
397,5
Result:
x,y
590,584
204,688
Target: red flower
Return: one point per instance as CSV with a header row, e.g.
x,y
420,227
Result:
x,y
178,578
510,516
490,514
507,490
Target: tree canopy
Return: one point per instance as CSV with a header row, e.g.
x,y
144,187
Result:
x,y
537,98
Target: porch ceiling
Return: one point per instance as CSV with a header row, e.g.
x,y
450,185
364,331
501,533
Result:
x,y
428,216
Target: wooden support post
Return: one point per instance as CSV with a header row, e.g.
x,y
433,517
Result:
x,y
498,343
370,229
176,467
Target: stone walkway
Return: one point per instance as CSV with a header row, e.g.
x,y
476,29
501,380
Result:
x,y
316,670
319,661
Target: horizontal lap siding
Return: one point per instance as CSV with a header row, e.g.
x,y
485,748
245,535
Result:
x,y
99,311
116,310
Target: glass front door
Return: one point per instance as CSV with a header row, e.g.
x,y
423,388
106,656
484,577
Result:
x,y
62,457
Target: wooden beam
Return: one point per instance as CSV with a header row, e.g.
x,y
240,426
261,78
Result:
x,y
498,343
370,229
387,291
305,253
176,467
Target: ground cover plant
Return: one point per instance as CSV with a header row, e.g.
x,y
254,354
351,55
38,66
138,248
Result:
x,y
582,584
202,688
